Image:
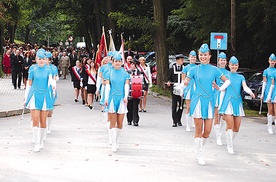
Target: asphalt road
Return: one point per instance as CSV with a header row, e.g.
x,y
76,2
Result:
x,y
77,149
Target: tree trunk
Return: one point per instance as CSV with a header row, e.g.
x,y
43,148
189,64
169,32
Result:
x,y
27,34
98,24
233,27
1,38
160,44
111,22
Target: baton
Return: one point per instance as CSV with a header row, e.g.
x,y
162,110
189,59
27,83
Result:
x,y
261,105
22,115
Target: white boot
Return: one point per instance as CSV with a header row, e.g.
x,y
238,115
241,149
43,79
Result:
x,y
117,139
36,139
109,136
229,139
234,134
199,151
114,139
49,125
34,134
42,136
188,129
269,124
108,125
218,134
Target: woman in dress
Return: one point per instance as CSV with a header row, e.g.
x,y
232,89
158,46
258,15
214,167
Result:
x,y
232,106
145,70
7,63
116,94
267,74
26,65
38,97
189,90
202,101
91,84
218,121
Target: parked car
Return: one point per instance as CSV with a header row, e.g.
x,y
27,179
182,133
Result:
x,y
255,84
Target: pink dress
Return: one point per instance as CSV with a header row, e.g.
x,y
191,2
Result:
x,y
7,64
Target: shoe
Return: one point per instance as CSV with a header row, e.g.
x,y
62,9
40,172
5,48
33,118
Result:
x,y
90,107
76,100
174,125
135,124
144,110
129,122
19,88
83,102
140,110
179,124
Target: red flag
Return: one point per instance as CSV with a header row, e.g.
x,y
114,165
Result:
x,y
102,50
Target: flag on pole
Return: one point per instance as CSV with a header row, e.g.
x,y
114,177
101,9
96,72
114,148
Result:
x,y
111,42
102,50
122,49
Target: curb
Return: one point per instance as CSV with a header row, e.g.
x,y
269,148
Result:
x,y
11,113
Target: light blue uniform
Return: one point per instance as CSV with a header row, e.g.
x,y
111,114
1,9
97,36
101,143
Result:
x,y
117,80
273,95
40,97
219,82
54,73
232,102
268,73
189,89
202,102
104,70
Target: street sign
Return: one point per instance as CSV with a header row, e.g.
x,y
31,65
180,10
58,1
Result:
x,y
218,41
70,38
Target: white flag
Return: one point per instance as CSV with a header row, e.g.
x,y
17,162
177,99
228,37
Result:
x,y
111,42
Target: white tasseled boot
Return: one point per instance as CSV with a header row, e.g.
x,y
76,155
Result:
x,y
42,136
109,136
188,119
49,125
269,124
229,139
234,134
199,151
218,134
34,133
114,139
36,139
117,139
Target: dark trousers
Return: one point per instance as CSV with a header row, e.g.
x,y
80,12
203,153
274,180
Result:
x,y
177,108
132,107
16,74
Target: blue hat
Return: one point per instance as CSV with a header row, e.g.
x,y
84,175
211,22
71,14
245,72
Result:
x,y
110,53
204,48
234,60
193,53
48,54
40,54
272,57
222,55
117,56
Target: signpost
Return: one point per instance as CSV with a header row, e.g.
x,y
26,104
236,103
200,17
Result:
x,y
218,41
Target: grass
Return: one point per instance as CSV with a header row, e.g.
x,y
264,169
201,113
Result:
x,y
19,41
248,112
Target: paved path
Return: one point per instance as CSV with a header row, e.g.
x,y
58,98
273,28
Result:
x,y
77,149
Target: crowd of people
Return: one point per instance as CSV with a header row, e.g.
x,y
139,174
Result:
x,y
212,94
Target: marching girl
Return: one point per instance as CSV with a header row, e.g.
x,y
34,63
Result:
x,y
55,77
189,90
232,106
116,94
202,101
218,121
85,65
267,74
38,97
145,69
91,84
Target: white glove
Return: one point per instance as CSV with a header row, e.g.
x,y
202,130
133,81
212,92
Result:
x,y
81,84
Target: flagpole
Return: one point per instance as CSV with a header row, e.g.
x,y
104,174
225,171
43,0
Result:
x,y
105,41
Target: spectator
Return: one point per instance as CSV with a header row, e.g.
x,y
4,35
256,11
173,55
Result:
x,y
7,63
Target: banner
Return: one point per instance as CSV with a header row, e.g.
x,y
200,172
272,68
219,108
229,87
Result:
x,y
102,50
111,42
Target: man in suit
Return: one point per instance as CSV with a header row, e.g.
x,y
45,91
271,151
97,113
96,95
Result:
x,y
175,79
17,63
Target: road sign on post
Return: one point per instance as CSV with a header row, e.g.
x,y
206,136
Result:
x,y
218,41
